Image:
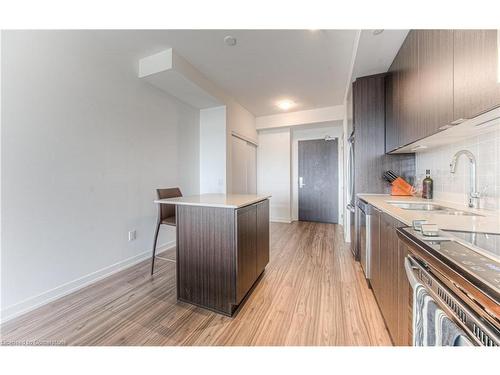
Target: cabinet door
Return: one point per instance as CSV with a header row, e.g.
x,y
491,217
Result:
x,y
404,294
246,234
369,114
392,124
476,75
409,96
435,70
262,235
388,274
375,251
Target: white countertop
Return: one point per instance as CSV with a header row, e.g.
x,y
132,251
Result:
x,y
489,222
216,200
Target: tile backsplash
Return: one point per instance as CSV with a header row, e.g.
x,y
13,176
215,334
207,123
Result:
x,y
455,187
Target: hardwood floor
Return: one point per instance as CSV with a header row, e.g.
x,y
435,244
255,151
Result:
x,y
312,293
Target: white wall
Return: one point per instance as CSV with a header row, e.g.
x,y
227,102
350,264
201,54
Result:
x,y
192,84
455,187
335,130
277,166
84,145
274,171
213,150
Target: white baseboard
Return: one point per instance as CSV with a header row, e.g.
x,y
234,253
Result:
x,y
48,296
280,220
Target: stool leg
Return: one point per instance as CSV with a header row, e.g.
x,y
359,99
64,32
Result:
x,y
154,247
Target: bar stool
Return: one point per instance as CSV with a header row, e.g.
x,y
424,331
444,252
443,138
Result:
x,y
166,215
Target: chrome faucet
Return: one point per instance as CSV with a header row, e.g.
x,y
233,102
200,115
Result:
x,y
473,192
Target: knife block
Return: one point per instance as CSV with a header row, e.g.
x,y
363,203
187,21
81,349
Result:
x,y
400,187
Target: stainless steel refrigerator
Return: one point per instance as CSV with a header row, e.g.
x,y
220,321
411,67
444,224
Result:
x,y
351,198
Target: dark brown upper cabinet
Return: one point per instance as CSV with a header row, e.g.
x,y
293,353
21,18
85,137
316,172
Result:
x,y
438,78
435,77
371,160
476,80
391,107
408,90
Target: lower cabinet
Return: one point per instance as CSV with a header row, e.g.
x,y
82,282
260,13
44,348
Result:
x,y
388,273
221,252
389,283
262,236
246,237
252,244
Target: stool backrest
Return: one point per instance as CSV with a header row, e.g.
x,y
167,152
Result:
x,y
167,210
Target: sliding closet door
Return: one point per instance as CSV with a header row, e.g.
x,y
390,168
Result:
x,y
251,169
244,166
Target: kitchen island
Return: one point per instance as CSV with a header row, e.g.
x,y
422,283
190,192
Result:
x,y
222,247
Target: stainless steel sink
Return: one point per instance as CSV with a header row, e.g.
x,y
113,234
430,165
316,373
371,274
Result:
x,y
438,209
418,206
452,211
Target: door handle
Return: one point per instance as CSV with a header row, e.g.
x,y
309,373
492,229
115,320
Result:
x,y
301,182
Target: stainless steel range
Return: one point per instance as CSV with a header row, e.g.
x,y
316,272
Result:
x,y
460,271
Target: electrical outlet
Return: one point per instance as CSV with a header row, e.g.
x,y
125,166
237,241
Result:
x,y
131,235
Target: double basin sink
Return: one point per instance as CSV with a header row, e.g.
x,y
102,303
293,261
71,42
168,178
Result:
x,y
431,207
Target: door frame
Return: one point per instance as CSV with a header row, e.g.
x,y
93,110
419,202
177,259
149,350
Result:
x,y
317,133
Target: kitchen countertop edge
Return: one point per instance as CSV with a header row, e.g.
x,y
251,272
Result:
x,y
489,222
233,201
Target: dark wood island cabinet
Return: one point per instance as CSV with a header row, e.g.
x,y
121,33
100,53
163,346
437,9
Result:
x,y
222,248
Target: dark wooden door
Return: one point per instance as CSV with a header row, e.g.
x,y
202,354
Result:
x,y
318,180
435,70
476,81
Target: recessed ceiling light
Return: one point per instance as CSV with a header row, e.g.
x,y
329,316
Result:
x,y
285,104
378,31
230,40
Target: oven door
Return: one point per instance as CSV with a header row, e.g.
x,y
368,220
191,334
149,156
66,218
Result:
x,y
441,318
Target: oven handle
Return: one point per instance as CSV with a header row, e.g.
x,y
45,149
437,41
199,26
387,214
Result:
x,y
410,268
480,331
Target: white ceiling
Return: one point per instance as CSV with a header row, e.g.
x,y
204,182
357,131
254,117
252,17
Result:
x,y
376,52
310,67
